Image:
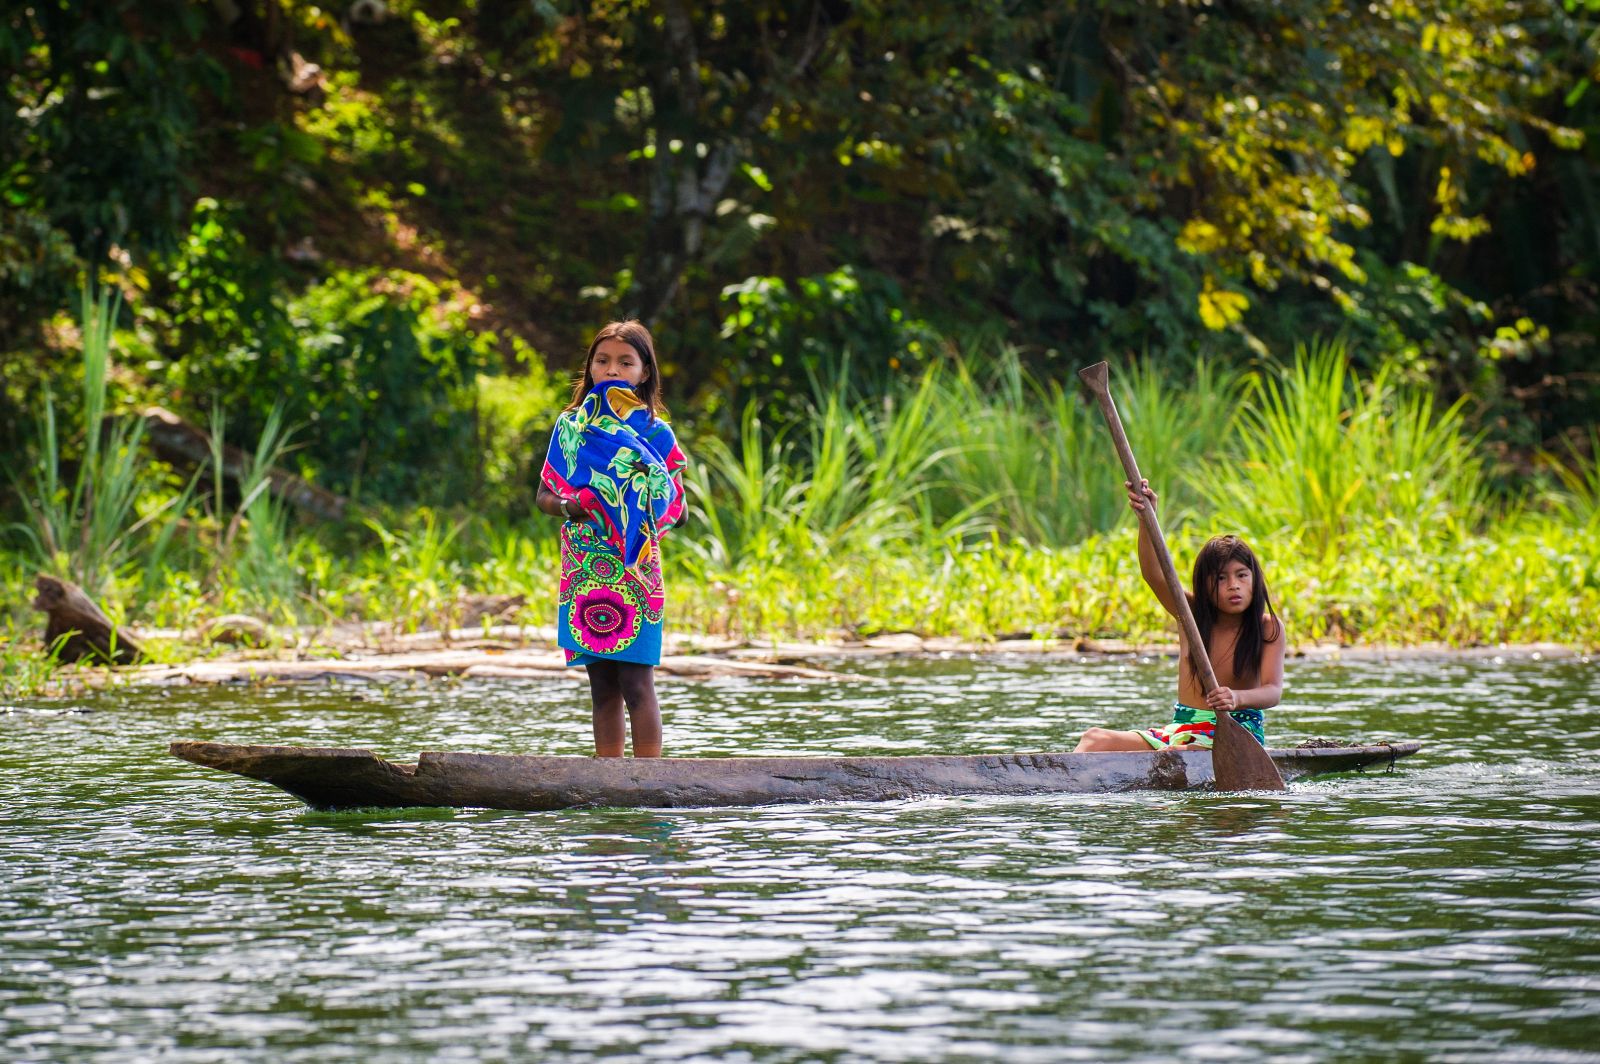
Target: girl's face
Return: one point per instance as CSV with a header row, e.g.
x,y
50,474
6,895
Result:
x,y
616,360
1234,587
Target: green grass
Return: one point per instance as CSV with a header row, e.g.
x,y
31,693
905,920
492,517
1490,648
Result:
x,y
27,672
84,525
950,458
1319,454
1527,584
1533,581
1579,475
963,504
253,540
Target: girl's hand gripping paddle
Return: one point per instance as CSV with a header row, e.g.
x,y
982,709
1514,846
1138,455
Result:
x,y
1238,762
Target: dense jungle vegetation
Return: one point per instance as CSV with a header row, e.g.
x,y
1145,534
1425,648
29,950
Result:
x,y
1345,259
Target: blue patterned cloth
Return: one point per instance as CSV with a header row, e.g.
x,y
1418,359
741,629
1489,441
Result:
x,y
620,464
625,470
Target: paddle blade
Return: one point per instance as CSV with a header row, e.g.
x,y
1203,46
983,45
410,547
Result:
x,y
1238,762
1095,377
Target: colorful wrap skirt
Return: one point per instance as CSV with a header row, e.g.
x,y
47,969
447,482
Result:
x,y
608,612
1197,727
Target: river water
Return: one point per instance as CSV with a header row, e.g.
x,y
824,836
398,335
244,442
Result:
x,y
1447,911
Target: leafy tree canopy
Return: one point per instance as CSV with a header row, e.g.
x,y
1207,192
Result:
x,y
794,188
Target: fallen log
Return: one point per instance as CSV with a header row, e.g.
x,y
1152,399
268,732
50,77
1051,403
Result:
x,y
179,442
87,632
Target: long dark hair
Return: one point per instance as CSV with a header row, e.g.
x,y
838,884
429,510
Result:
x,y
637,337
1218,552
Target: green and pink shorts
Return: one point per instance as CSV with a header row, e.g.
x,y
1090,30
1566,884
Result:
x,y
1195,727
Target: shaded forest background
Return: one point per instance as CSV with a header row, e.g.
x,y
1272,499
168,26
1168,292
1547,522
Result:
x,y
404,220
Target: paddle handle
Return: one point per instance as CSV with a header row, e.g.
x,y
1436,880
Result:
x,y
1095,378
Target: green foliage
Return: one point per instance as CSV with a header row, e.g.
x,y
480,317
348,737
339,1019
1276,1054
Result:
x,y
1388,587
949,457
24,672
99,117
1028,449
419,565
1078,180
253,549
388,383
1365,499
845,326
214,296
381,366
858,481
925,509
82,527
1321,454
1579,475
514,412
37,266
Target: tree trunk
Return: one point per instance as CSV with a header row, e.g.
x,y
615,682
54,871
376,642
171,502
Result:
x,y
685,185
89,633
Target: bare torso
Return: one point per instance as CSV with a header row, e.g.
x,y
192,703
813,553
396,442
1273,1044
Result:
x,y
1191,692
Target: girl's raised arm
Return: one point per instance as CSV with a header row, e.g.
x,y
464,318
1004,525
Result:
x,y
1149,565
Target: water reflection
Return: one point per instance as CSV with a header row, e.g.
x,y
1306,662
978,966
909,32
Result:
x,y
149,909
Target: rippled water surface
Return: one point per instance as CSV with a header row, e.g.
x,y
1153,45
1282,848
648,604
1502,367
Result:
x,y
1449,911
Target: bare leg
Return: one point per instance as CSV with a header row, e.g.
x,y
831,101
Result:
x,y
605,691
1101,740
638,684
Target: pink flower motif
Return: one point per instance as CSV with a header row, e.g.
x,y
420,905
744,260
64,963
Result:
x,y
603,620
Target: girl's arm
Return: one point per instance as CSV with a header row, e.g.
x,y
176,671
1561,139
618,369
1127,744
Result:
x,y
1149,566
1270,691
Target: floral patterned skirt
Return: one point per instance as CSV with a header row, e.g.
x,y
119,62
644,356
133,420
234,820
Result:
x,y
607,612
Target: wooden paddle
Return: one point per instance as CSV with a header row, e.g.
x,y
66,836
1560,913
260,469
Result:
x,y
1238,762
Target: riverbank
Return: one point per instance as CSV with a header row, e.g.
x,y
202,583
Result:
x,y
935,511
378,653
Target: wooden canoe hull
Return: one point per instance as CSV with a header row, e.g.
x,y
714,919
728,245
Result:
x,y
328,778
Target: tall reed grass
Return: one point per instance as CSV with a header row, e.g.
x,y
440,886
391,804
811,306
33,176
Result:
x,y
252,545
1034,447
1318,455
950,458
971,501
1578,501
861,479
420,566
84,528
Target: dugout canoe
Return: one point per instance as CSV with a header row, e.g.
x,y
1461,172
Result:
x,y
329,778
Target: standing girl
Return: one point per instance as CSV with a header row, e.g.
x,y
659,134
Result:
x,y
614,474
1242,635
